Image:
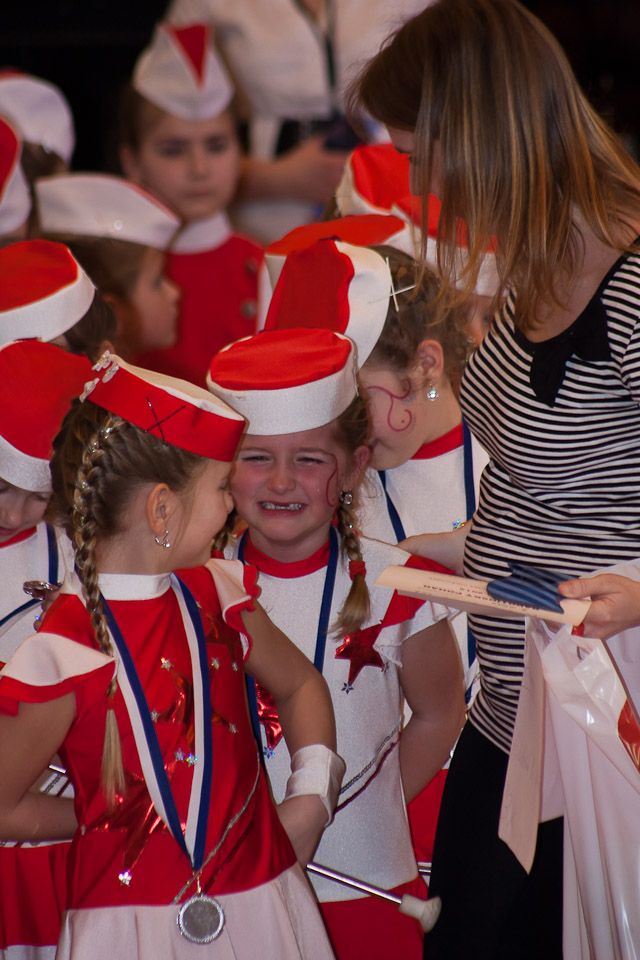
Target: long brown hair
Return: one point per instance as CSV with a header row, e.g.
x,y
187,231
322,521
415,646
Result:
x,y
98,462
497,110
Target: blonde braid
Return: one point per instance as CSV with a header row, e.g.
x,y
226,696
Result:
x,y
84,527
357,605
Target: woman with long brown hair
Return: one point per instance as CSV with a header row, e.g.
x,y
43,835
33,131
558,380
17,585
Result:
x,y
483,99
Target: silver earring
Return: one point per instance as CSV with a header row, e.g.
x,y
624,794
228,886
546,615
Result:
x,y
432,392
346,498
163,541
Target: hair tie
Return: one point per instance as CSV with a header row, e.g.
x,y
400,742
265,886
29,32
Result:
x,y
356,568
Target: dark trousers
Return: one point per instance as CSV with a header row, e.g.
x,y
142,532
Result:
x,y
491,908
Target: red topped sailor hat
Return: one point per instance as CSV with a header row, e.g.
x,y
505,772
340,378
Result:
x,y
332,284
175,411
376,179
38,381
102,205
15,202
39,111
43,290
181,73
286,381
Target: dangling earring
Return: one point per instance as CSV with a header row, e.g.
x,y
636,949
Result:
x,y
163,541
432,392
346,498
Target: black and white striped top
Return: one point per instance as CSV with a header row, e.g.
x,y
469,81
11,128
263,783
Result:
x,y
562,489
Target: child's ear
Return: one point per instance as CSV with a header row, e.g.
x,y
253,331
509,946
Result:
x,y
159,508
430,360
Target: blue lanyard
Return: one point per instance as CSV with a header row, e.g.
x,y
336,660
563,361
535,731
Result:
x,y
164,787
323,623
52,549
469,487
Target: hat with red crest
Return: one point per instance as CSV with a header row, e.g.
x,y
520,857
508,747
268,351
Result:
x,y
181,73
175,411
38,381
286,381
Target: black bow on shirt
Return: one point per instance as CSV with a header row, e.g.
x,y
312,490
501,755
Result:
x,y
586,338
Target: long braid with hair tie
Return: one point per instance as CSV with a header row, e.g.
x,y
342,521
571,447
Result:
x,y
84,527
357,606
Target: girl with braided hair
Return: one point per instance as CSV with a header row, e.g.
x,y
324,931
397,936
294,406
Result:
x,y
295,486
136,679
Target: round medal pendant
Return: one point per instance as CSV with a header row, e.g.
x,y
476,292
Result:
x,y
200,919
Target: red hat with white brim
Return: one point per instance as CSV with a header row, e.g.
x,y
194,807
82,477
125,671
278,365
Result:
x,y
175,411
101,205
181,73
43,290
15,202
376,179
332,284
38,381
286,381
39,112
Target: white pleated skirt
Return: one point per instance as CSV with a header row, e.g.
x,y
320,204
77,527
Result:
x,y
277,921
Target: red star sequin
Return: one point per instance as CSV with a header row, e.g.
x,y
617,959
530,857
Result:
x,y
358,648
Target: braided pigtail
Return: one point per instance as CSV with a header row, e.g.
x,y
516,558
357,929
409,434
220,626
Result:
x,y
357,605
224,534
84,527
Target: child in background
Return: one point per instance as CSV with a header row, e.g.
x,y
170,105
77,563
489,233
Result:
x,y
15,200
178,139
37,383
119,233
140,687
295,485
46,295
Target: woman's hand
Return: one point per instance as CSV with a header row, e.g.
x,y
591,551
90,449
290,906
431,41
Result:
x,y
615,603
444,548
303,819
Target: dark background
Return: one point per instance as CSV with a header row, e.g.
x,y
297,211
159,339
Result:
x,y
88,48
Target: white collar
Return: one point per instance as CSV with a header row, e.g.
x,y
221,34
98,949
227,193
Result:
x,y
133,586
201,235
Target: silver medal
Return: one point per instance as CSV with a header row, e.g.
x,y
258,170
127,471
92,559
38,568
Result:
x,y
200,919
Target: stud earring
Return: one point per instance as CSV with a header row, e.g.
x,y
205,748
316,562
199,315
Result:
x,y
346,498
432,392
163,541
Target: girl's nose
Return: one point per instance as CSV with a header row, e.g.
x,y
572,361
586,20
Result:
x,y
281,477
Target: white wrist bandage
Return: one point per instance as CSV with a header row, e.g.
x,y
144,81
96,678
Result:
x,y
316,770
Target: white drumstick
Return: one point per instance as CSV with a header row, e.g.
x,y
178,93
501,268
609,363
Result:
x,y
426,912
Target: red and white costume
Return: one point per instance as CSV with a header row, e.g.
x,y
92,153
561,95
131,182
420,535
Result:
x,y
369,837
125,869
219,274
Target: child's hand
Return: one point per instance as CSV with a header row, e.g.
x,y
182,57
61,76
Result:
x,y
445,548
311,172
303,819
615,603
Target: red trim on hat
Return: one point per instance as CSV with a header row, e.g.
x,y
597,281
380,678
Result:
x,y
272,360
312,290
9,153
193,41
364,230
444,444
32,270
174,419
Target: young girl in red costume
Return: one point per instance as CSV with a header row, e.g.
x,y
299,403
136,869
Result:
x,y
137,680
295,485
178,139
37,383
